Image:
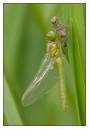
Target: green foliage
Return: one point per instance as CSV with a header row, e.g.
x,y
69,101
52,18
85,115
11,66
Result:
x,y
25,28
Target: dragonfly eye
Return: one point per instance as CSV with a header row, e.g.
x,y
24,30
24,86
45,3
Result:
x,y
51,36
54,20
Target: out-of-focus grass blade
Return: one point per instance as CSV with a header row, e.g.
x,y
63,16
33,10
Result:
x,y
11,113
78,44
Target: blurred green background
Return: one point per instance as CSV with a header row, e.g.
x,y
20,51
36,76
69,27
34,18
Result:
x,y
25,28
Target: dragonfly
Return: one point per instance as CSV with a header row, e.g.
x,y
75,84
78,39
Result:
x,y
50,73
62,35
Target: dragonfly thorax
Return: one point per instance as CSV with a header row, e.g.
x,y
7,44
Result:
x,y
53,49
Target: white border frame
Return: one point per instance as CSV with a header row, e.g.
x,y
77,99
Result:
x,y
1,58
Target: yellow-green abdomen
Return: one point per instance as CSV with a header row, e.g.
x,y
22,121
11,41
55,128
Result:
x,y
60,65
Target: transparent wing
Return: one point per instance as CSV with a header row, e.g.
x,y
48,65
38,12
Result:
x,y
45,78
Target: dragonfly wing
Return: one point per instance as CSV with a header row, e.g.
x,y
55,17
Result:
x,y
45,78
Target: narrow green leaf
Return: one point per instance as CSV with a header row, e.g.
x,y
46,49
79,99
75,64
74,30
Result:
x,y
12,116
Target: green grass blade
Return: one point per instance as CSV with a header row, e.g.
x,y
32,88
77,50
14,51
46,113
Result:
x,y
12,116
78,43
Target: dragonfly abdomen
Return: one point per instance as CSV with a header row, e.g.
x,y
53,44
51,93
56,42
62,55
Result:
x,y
60,65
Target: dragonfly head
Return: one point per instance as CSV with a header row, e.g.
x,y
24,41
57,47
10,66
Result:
x,y
51,36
